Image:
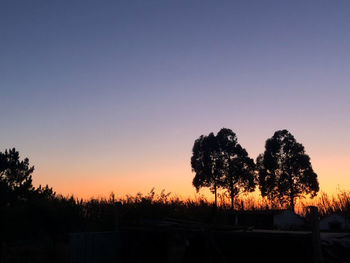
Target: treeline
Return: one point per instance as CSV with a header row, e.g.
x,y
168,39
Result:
x,y
282,173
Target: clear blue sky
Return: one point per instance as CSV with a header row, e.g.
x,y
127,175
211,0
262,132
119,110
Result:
x,y
110,95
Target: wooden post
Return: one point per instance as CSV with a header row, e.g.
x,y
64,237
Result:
x,y
316,240
117,210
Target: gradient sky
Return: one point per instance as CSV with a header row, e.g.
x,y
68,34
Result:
x,y
110,95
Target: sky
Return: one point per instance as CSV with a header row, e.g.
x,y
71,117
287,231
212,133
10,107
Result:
x,y
106,96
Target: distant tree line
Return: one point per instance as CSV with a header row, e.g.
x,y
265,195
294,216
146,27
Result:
x,y
283,172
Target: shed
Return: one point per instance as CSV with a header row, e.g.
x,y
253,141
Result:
x,y
334,222
287,219
258,219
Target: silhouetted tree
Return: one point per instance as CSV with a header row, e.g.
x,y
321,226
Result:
x,y
16,179
285,171
206,163
219,161
238,169
15,176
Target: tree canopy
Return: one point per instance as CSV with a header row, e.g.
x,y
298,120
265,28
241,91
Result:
x,y
285,171
221,162
205,162
16,179
238,167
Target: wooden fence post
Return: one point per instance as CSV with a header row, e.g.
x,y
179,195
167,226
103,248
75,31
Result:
x,y
316,239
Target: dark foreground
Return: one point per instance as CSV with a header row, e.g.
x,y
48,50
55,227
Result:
x,y
171,241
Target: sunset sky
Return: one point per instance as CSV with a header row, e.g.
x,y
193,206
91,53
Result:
x,y
108,96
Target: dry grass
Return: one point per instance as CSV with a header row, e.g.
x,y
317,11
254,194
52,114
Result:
x,y
169,203
68,214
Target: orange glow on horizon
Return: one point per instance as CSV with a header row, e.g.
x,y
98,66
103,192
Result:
x,y
83,183
91,175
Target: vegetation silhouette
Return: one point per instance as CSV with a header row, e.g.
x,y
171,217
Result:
x,y
206,163
284,170
238,168
221,162
283,173
16,180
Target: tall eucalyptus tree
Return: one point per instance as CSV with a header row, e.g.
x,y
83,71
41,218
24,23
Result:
x,y
285,171
220,162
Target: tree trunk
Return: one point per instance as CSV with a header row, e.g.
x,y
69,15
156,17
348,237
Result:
x,y
292,195
232,195
232,198
215,193
292,201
